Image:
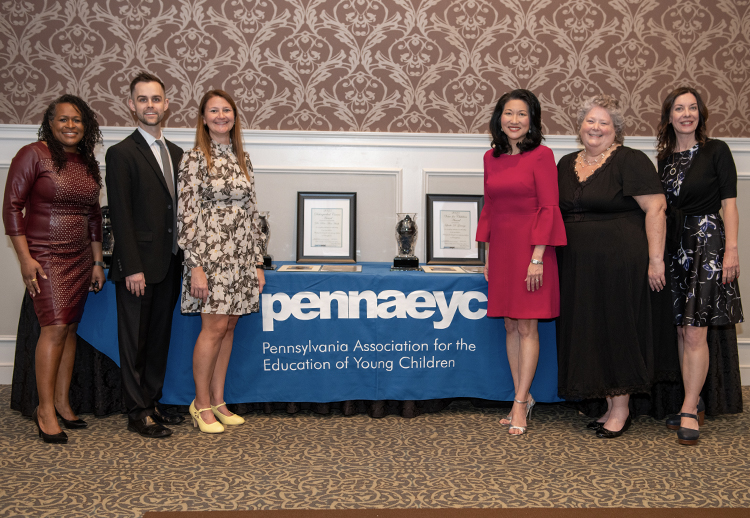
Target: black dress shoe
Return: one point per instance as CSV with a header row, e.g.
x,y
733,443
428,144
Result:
x,y
595,425
688,436
147,427
164,418
55,438
603,433
674,420
72,425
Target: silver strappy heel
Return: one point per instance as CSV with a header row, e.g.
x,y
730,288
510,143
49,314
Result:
x,y
529,406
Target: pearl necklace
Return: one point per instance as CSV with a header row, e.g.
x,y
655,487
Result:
x,y
585,160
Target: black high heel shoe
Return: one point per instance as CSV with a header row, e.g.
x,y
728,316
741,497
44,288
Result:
x,y
673,421
603,433
58,438
71,425
688,436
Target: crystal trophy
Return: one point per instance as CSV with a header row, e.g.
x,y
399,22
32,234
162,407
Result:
x,y
265,230
108,240
406,238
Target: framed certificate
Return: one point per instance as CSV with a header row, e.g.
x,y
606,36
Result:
x,y
326,227
452,228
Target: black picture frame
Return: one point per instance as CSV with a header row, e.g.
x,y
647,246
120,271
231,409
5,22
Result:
x,y
456,203
319,216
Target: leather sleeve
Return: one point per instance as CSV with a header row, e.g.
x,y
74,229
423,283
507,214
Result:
x,y
21,177
95,223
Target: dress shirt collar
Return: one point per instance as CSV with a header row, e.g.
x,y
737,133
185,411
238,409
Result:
x,y
150,139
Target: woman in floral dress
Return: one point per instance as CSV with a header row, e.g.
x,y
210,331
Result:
x,y
699,178
219,230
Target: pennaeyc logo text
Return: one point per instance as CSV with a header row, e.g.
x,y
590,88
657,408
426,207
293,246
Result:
x,y
420,304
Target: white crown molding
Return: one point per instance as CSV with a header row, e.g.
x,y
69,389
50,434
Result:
x,y
13,136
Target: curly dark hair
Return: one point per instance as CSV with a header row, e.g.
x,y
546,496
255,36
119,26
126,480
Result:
x,y
91,135
665,135
532,139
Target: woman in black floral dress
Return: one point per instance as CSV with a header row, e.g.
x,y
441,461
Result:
x,y
219,230
699,178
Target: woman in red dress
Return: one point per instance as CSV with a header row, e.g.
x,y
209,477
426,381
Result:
x,y
522,222
58,243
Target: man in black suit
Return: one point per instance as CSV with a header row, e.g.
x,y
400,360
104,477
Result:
x,y
141,179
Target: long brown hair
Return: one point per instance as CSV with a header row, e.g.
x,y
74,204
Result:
x,y
667,139
203,138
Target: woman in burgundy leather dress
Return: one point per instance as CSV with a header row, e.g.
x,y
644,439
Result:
x,y
58,243
522,222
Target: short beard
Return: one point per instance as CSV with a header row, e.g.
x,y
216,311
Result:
x,y
146,123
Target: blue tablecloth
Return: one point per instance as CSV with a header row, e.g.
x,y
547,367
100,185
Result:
x,y
333,336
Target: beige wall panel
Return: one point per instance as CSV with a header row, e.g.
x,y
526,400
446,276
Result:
x,y
455,184
376,208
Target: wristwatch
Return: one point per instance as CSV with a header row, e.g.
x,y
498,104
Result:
x,y
536,261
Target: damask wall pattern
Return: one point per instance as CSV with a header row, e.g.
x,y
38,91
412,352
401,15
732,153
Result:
x,y
378,65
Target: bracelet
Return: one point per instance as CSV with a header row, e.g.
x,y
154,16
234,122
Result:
x,y
100,263
535,261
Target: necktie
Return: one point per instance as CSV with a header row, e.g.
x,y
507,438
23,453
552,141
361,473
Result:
x,y
166,165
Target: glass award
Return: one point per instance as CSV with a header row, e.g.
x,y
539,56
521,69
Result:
x,y
406,240
265,230
108,240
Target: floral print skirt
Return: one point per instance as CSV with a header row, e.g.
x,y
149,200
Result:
x,y
232,290
699,298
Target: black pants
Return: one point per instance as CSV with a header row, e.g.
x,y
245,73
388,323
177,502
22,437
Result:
x,y
144,326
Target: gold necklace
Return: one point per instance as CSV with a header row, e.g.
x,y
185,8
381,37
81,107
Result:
x,y
585,160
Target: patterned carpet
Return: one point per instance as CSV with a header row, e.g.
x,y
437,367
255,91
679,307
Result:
x,y
459,457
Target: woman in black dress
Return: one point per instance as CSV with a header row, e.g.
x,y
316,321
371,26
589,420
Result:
x,y
699,178
613,208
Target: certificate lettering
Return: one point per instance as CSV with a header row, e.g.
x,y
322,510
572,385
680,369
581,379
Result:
x,y
455,230
326,228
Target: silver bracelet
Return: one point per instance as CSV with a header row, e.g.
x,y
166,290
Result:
x,y
535,261
100,263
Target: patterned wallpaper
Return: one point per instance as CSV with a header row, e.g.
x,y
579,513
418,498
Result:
x,y
378,65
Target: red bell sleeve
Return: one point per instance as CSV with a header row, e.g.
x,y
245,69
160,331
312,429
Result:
x,y
485,218
548,228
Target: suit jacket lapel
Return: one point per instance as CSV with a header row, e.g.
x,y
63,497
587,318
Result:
x,y
145,150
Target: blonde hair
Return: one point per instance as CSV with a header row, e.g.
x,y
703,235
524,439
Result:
x,y
203,138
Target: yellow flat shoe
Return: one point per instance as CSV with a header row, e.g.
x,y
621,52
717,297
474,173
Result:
x,y
226,419
198,421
